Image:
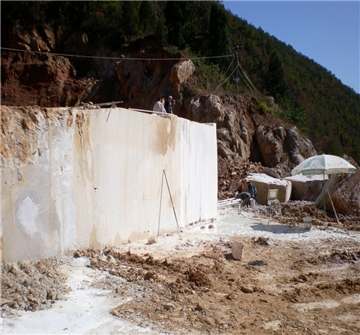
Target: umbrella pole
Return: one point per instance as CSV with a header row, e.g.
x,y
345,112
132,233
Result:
x,y
326,185
333,207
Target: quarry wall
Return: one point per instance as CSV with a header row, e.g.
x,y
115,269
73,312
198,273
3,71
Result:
x,y
76,178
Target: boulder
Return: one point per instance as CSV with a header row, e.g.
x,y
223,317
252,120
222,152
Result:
x,y
207,108
141,83
306,188
264,183
181,72
237,250
346,194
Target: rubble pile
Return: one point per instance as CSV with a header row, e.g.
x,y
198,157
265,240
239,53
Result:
x,y
297,210
232,176
31,285
294,212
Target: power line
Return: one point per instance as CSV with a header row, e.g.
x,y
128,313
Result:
x,y
115,58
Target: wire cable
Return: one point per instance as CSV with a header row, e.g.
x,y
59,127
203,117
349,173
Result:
x,y
115,58
227,78
231,63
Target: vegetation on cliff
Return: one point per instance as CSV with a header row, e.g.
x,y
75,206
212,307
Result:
x,y
309,95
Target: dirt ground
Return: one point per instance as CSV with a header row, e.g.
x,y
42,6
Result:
x,y
282,287
288,281
31,285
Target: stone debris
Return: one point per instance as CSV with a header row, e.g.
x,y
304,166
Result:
x,y
31,285
302,212
232,176
237,250
257,262
261,240
151,240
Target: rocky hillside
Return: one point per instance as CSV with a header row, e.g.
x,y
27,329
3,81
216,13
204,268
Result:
x,y
256,131
246,132
308,95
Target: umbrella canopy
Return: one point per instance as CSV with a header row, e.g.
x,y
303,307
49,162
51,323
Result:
x,y
323,164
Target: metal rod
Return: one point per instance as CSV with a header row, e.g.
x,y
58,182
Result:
x,y
172,202
107,119
166,115
161,192
111,103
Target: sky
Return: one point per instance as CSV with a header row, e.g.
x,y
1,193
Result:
x,y
326,31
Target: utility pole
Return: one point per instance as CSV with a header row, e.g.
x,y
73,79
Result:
x,y
245,78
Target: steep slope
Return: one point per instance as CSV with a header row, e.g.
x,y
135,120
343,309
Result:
x,y
309,95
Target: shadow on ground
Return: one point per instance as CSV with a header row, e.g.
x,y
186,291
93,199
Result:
x,y
280,228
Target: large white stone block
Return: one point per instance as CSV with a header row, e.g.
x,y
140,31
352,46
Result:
x,y
95,180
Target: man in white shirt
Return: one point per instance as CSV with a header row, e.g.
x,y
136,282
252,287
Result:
x,y
159,106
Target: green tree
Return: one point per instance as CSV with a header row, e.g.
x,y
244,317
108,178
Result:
x,y
219,41
147,17
161,31
175,21
131,19
275,78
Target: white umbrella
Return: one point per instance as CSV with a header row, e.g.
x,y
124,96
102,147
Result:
x,y
323,164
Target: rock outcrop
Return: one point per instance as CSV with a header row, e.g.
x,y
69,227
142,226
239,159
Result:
x,y
245,133
235,127
39,79
141,83
279,144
